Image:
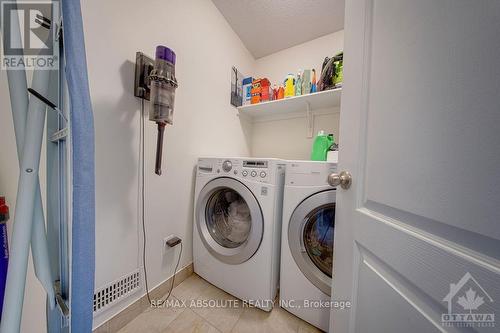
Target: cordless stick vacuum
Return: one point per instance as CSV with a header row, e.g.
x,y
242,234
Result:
x,y
163,85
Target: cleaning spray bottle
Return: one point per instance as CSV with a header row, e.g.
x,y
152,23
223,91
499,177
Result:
x,y
321,145
298,85
4,248
314,87
281,92
306,82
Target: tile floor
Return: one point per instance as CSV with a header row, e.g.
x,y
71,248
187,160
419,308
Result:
x,y
184,318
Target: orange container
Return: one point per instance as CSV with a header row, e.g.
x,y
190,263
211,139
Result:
x,y
256,92
260,90
265,86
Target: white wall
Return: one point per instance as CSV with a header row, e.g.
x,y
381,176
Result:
x,y
287,139
204,124
34,303
308,55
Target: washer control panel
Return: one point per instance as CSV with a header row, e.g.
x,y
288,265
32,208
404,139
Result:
x,y
255,170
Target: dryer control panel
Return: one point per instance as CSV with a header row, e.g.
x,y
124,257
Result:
x,y
308,173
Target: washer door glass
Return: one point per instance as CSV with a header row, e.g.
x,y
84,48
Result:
x,y
228,218
318,237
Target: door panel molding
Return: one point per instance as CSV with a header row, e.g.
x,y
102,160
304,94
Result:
x,y
426,306
365,98
427,264
469,245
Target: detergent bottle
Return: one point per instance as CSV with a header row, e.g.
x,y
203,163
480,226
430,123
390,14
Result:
x,y
289,85
321,145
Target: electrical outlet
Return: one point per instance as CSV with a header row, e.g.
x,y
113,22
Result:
x,y
165,241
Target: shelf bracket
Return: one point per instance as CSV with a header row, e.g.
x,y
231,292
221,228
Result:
x,y
59,135
310,121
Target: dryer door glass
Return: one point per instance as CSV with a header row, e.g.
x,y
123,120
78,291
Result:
x,y
310,238
228,218
318,233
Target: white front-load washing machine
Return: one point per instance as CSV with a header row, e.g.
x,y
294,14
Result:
x,y
307,241
237,226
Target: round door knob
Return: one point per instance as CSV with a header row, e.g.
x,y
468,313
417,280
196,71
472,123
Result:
x,y
344,179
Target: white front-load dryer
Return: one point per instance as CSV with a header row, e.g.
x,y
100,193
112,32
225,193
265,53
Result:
x,y
237,226
307,241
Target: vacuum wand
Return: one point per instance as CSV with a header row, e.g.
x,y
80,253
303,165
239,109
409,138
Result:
x,y
159,148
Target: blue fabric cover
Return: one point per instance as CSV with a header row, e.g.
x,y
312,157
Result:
x,y
82,134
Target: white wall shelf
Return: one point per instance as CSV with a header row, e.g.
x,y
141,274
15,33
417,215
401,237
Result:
x,y
292,107
319,100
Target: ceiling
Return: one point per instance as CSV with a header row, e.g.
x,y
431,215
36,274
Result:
x,y
268,26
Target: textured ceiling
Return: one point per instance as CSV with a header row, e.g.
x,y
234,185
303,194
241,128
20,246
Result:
x,y
268,26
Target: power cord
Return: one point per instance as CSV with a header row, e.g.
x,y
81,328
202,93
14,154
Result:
x,y
144,241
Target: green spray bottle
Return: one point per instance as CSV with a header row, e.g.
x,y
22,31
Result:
x,y
321,145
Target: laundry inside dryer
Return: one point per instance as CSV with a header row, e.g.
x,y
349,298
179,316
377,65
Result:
x,y
318,234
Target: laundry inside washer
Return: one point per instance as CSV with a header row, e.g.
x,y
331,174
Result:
x,y
228,218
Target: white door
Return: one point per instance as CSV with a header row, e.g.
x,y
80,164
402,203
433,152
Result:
x,y
417,243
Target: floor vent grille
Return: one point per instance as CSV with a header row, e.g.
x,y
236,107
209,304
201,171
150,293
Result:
x,y
116,290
